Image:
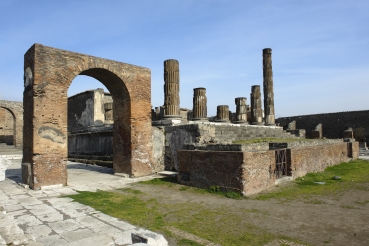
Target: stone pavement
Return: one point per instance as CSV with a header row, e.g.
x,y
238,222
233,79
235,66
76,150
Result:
x,y
42,217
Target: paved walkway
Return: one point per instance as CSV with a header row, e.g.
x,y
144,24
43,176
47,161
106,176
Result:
x,y
36,218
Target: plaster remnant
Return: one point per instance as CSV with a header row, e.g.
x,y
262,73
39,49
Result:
x,y
52,134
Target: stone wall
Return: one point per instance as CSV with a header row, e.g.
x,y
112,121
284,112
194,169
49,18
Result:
x,y
203,133
13,120
6,127
334,124
48,73
317,158
251,172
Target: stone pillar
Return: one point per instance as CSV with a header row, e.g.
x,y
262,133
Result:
x,y
171,89
199,111
222,113
268,87
241,111
256,112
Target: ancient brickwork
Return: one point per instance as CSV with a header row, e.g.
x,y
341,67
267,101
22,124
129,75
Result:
x,y
334,124
268,87
317,158
199,111
13,122
6,126
252,172
171,89
256,111
48,74
241,111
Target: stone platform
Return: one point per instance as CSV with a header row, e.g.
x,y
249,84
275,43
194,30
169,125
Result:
x,y
43,217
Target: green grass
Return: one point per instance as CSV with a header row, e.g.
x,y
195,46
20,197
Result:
x,y
354,175
217,225
270,140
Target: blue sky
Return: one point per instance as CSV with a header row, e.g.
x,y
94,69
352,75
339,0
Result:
x,y
320,48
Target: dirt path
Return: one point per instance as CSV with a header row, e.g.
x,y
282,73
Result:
x,y
341,219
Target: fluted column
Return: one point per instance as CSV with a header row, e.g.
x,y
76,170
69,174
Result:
x,y
241,110
268,87
171,89
222,113
256,112
199,110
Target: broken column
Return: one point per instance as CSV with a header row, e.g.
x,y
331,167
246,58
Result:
x,y
256,112
222,113
268,87
241,111
171,89
199,111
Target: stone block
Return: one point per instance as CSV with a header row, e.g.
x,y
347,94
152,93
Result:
x,y
4,164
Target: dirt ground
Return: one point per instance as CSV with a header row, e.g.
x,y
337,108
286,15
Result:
x,y
340,219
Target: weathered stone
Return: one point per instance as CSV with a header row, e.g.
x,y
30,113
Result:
x,y
222,113
11,123
45,107
256,112
199,111
171,89
348,134
317,132
241,111
4,164
268,87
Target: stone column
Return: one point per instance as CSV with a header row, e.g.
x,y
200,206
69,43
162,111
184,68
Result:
x,y
268,88
241,110
222,113
171,89
199,111
256,112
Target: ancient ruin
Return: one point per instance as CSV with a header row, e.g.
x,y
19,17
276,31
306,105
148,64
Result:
x,y
241,111
222,113
256,111
48,74
171,89
268,87
121,130
199,110
11,123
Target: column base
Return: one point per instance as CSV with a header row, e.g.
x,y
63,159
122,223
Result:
x,y
200,119
257,123
241,122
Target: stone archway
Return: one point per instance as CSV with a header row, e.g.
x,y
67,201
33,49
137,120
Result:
x,y
16,109
48,75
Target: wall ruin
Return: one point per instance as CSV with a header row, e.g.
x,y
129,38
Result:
x,y
48,74
12,122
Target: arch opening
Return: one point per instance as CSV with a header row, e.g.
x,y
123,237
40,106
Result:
x,y
7,126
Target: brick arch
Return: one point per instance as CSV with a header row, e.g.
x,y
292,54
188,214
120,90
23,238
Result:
x,y
48,75
16,109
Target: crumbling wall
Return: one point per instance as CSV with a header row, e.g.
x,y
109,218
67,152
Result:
x,y
250,172
6,126
317,158
211,168
12,122
334,124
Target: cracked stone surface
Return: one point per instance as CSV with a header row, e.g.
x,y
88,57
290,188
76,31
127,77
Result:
x,y
42,217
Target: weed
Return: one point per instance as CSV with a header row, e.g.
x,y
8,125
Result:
x,y
363,202
161,181
305,186
188,242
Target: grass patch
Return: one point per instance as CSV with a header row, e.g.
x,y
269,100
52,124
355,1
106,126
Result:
x,y
270,140
362,203
354,175
188,242
218,225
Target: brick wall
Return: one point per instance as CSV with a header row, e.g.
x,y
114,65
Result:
x,y
48,74
12,122
253,172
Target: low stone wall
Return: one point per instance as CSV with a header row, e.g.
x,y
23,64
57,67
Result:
x,y
252,172
317,158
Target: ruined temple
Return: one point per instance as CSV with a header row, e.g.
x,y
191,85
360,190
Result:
x,y
122,131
